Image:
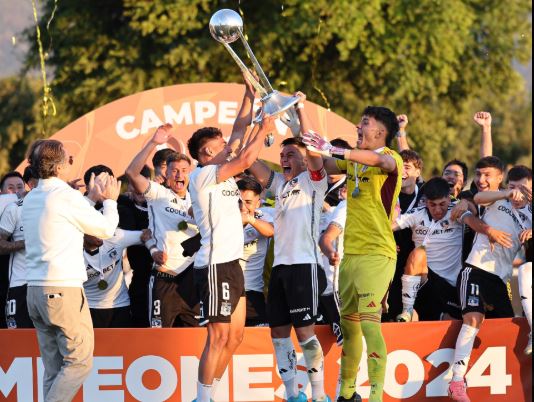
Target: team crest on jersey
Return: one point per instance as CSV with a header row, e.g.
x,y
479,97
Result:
x,y
293,182
473,301
112,253
445,224
226,309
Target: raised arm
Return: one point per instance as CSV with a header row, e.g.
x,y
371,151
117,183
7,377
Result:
x,y
494,235
369,158
483,119
402,136
489,197
244,117
248,155
133,171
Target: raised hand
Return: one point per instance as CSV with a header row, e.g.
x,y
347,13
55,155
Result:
x,y
515,195
162,134
291,119
111,189
527,192
96,186
315,143
483,119
403,121
159,257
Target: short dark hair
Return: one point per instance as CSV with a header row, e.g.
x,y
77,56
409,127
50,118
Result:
x,y
45,156
408,155
28,174
8,175
387,118
297,141
248,183
463,165
340,143
97,169
436,188
519,172
177,157
161,156
490,162
200,137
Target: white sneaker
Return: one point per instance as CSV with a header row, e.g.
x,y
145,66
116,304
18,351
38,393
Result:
x,y
528,349
405,316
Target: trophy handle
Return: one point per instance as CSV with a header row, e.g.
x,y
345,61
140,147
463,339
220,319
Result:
x,y
261,90
257,67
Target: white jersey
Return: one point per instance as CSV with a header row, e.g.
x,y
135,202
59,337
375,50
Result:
x,y
501,216
166,211
11,224
216,210
255,251
105,264
298,205
337,217
5,200
442,239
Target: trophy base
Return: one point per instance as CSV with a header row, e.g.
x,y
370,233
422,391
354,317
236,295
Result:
x,y
275,103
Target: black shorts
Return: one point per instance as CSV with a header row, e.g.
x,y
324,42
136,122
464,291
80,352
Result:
x,y
16,311
173,300
256,309
220,287
444,296
293,296
483,292
117,317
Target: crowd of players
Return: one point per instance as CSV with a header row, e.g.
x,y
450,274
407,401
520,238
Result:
x,y
218,238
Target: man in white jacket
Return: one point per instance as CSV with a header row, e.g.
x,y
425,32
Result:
x,y
55,218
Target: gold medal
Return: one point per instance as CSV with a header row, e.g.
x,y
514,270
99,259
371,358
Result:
x,y
102,284
183,225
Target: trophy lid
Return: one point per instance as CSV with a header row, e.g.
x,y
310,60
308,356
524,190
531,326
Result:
x,y
226,25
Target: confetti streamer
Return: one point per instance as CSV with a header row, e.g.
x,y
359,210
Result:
x,y
314,66
48,108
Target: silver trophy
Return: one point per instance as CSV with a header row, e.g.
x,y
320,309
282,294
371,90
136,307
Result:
x,y
226,26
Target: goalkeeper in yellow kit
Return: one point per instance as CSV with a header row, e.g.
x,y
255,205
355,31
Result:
x,y
374,174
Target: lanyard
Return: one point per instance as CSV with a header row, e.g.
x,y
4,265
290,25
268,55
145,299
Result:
x,y
100,269
414,198
519,220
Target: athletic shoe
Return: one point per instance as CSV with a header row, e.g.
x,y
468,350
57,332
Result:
x,y
458,391
194,400
326,399
300,398
405,316
354,398
528,349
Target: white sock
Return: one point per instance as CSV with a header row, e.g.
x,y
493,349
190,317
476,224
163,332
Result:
x,y
216,382
462,353
203,392
525,290
313,355
410,287
286,358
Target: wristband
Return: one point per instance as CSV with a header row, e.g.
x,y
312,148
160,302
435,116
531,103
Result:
x,y
337,152
300,105
153,250
401,134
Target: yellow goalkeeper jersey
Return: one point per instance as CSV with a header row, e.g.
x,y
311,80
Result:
x,y
370,212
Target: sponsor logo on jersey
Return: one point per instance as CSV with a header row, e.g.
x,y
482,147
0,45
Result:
x,y
176,211
230,193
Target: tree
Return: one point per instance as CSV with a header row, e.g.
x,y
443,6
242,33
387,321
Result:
x,y
438,61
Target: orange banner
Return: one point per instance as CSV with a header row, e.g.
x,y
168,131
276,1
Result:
x,y
114,133
155,365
